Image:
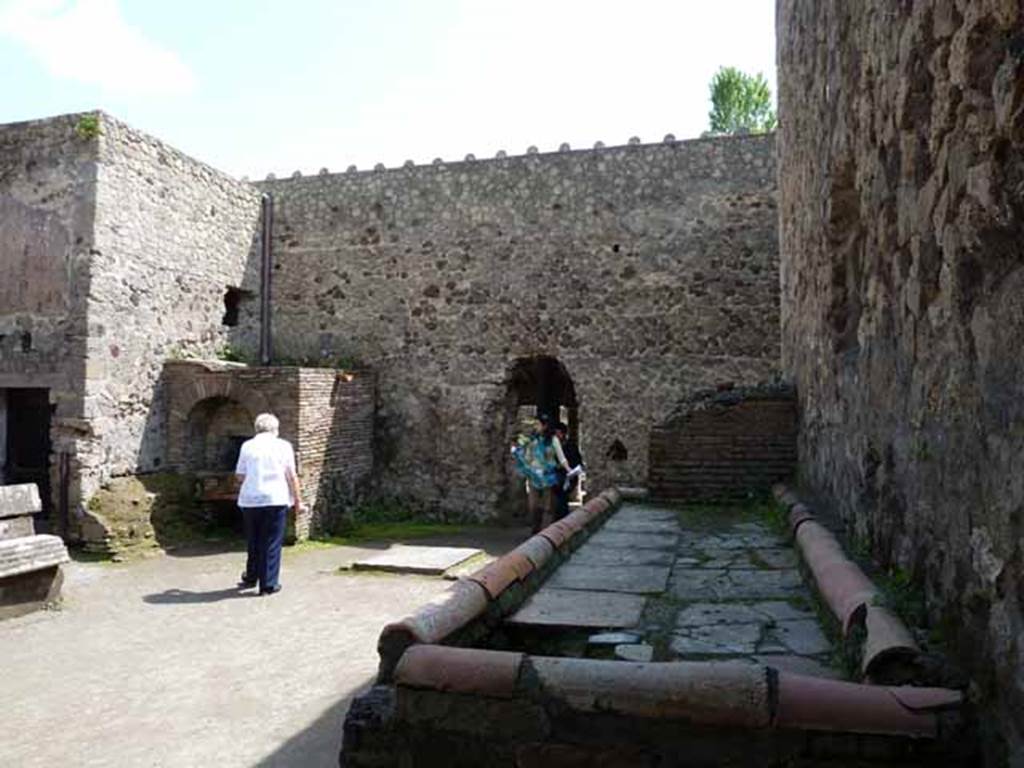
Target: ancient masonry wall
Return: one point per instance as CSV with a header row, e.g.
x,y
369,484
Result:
x,y
47,204
171,235
901,167
647,270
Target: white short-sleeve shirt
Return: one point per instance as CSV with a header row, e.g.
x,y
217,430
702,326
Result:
x,y
264,461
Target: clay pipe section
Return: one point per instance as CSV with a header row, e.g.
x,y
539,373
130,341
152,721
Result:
x,y
468,599
849,593
535,553
705,693
841,583
820,704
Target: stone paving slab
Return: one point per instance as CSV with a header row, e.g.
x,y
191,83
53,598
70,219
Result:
x,y
765,584
633,513
717,640
400,558
624,540
779,610
669,527
611,556
702,614
803,637
575,608
637,579
750,559
722,584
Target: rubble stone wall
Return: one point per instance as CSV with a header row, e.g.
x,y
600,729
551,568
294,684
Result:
x,y
646,270
901,167
47,204
171,236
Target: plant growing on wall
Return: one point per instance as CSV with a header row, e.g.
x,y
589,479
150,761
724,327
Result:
x,y
740,103
88,127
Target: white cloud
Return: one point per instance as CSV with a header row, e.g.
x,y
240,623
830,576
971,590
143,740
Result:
x,y
89,41
512,73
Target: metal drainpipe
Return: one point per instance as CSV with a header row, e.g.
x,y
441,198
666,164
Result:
x,y
266,269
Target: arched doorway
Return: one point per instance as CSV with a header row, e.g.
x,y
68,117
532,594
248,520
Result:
x,y
534,385
217,427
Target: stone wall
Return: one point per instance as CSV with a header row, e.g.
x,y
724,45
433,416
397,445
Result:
x,y
729,443
646,270
171,236
901,166
47,203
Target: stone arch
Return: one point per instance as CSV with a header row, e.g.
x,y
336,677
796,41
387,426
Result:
x,y
190,413
544,384
534,385
215,430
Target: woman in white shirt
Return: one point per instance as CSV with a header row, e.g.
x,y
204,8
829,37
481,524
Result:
x,y
269,485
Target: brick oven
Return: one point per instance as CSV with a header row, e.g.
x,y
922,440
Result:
x,y
326,414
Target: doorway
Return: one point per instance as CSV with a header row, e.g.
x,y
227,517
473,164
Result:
x,y
25,440
534,385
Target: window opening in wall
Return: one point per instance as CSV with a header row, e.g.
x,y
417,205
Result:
x,y
232,304
617,451
26,342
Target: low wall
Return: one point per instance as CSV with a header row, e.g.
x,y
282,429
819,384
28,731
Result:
x,y
725,443
439,700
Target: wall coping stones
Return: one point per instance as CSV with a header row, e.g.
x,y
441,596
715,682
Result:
x,y
533,154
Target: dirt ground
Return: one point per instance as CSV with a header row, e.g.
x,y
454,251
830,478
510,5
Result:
x,y
164,662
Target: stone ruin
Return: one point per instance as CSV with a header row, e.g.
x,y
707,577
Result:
x,y
882,278
600,285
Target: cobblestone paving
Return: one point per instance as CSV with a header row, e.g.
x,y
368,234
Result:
x,y
718,583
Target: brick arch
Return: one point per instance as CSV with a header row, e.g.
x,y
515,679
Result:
x,y
250,399
194,395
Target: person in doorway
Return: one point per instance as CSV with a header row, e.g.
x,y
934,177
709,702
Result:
x,y
269,485
537,458
568,479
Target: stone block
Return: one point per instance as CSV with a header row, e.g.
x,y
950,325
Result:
x,y
636,579
19,500
401,558
575,608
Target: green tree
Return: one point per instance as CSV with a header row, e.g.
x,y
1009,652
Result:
x,y
740,103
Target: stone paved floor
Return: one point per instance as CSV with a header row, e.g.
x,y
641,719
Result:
x,y
164,663
716,584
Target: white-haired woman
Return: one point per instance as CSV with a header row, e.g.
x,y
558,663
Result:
x,y
269,485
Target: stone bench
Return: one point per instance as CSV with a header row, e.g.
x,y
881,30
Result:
x,y
30,563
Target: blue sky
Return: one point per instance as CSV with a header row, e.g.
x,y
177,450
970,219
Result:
x,y
268,86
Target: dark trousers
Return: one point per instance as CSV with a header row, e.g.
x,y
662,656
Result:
x,y
562,497
264,535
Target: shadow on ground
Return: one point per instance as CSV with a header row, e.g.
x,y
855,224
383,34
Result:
x,y
319,745
185,596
